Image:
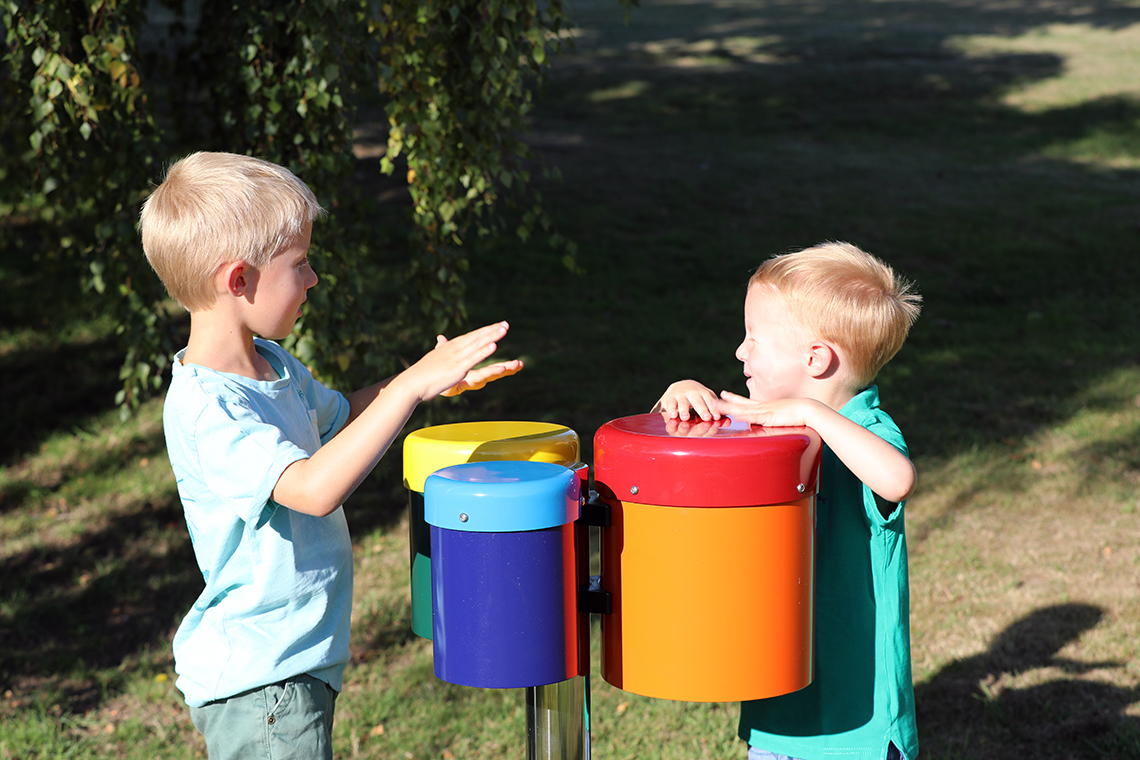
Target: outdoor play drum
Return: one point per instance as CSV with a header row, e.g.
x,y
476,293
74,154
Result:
x,y
709,557
434,448
504,573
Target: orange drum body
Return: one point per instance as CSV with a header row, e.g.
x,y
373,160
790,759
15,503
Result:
x,y
709,558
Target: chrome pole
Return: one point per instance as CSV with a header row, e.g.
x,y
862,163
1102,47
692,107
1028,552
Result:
x,y
556,721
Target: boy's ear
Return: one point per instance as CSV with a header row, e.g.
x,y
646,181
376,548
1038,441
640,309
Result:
x,y
822,360
234,278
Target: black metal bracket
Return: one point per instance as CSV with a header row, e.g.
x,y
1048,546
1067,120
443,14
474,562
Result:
x,y
596,512
594,598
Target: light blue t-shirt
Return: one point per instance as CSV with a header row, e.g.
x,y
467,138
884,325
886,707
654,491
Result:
x,y
861,698
278,582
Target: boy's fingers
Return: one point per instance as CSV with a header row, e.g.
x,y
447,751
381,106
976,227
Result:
x,y
479,341
495,371
483,333
478,378
725,407
704,409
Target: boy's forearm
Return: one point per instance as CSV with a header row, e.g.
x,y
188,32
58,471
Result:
x,y
360,400
879,465
321,483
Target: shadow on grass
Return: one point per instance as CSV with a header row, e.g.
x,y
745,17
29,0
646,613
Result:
x,y
842,120
967,711
53,387
95,603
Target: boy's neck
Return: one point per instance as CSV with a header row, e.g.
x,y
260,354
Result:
x,y
834,394
217,343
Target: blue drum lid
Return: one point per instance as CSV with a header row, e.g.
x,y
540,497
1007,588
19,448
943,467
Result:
x,y
501,496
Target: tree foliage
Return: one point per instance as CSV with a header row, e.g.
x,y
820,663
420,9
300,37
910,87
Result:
x,y
92,115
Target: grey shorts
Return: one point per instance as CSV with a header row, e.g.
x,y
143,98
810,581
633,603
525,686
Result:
x,y
291,720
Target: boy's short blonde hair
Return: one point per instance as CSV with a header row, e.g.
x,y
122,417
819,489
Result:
x,y
847,297
214,208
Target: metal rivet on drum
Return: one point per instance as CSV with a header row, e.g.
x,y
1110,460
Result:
x,y
633,490
462,517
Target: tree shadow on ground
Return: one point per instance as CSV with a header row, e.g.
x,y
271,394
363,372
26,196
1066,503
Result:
x,y
95,602
970,709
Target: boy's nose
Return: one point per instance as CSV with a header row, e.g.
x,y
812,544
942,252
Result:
x,y
741,352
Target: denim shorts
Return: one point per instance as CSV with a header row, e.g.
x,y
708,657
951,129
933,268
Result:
x,y
755,753
291,720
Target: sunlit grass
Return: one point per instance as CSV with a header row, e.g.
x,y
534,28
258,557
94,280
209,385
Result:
x,y
1096,67
1094,63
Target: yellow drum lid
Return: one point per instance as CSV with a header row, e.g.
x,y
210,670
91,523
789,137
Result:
x,y
433,448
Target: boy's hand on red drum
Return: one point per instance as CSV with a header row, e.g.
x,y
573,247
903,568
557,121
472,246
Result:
x,y
786,412
683,396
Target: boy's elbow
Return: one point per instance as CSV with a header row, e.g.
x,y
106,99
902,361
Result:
x,y
297,491
899,488
908,481
314,507
319,508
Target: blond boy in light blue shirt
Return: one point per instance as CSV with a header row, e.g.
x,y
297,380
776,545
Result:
x,y
265,455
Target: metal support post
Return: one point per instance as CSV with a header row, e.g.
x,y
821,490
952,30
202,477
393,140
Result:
x,y
556,721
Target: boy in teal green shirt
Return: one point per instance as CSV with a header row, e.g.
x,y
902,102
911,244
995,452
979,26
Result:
x,y
819,325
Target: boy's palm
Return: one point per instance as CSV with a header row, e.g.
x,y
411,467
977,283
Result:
x,y
446,366
479,377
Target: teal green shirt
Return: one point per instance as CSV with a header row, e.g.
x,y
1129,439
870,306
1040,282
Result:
x,y
861,697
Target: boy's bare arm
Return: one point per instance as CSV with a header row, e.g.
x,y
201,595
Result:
x,y
684,395
878,464
321,483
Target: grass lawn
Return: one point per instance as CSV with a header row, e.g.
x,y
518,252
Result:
x,y
988,150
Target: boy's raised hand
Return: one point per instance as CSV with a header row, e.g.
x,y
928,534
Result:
x,y
477,378
450,366
684,395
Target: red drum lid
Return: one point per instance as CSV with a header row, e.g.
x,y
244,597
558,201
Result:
x,y
646,459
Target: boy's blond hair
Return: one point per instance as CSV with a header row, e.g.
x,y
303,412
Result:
x,y
214,208
845,296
